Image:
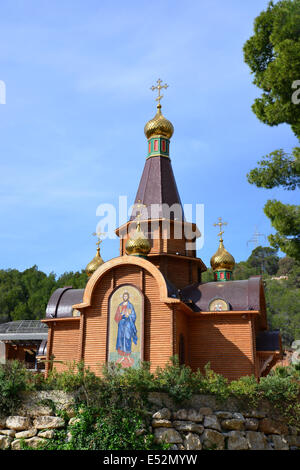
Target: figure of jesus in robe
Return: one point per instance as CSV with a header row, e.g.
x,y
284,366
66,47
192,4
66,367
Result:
x,y
125,317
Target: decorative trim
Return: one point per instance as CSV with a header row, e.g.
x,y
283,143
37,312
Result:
x,y
222,301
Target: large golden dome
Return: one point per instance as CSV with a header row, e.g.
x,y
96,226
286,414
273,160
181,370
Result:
x,y
222,259
138,244
159,125
94,264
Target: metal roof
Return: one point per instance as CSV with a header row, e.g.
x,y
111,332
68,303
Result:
x,y
61,302
241,295
23,329
268,341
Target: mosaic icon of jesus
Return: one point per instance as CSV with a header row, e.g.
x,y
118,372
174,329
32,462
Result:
x,y
125,318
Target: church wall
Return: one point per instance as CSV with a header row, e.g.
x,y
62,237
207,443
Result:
x,y
225,342
158,325
95,325
157,318
64,343
178,272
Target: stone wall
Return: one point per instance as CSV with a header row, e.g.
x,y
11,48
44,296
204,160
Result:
x,y
199,423
205,423
35,421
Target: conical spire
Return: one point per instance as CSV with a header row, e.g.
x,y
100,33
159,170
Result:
x,y
157,188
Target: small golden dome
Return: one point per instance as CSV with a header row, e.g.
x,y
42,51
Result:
x,y
222,259
138,244
159,125
94,264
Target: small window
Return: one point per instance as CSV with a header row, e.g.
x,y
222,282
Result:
x,y
149,147
155,145
163,145
181,350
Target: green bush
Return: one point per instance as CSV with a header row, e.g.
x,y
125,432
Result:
x,y
105,429
14,378
119,389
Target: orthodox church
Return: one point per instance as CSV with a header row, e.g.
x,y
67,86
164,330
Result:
x,y
149,303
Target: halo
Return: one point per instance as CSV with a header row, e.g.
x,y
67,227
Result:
x,y
124,292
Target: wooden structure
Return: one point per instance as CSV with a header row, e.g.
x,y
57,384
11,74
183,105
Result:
x,y
24,340
222,322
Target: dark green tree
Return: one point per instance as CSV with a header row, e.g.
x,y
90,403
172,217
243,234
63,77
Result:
x,y
24,295
264,259
273,55
77,280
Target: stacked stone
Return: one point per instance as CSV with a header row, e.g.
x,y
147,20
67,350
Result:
x,y
15,429
196,429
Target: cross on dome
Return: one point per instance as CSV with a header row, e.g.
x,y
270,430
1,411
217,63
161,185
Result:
x,y
158,87
220,224
99,235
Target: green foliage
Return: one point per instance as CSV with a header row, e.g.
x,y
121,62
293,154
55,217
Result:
x,y
242,270
175,379
207,276
14,379
112,409
273,55
245,387
105,429
277,169
282,295
77,279
281,170
264,259
285,218
24,295
283,307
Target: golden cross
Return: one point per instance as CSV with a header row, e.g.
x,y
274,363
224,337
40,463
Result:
x,y
158,87
139,206
98,234
220,224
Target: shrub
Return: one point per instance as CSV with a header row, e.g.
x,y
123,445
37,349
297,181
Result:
x,y
175,379
14,378
105,429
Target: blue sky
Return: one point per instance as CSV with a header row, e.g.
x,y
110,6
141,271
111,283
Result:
x,y
77,77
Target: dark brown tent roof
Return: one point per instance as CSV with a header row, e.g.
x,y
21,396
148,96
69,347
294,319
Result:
x,y
158,186
241,295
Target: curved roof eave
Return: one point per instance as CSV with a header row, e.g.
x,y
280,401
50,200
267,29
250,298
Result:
x,y
121,261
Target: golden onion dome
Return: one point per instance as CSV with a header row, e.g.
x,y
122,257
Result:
x,y
222,259
138,244
94,264
159,125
